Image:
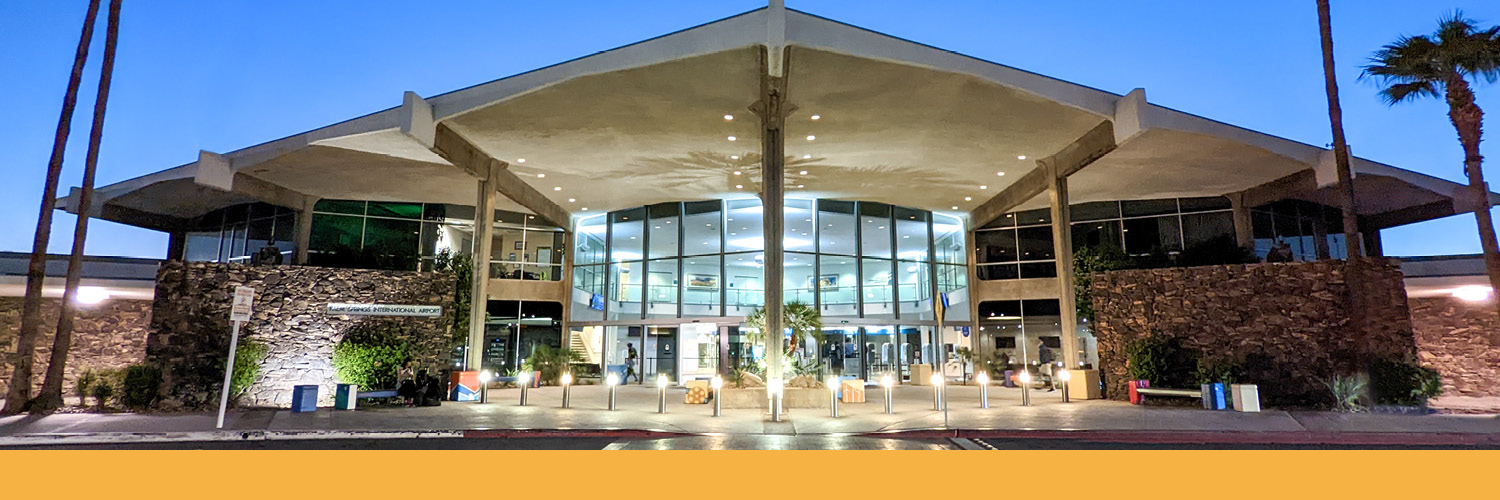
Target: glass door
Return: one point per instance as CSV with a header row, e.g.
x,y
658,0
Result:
x,y
881,351
841,351
661,353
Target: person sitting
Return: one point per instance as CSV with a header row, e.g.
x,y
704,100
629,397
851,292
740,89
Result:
x,y
268,255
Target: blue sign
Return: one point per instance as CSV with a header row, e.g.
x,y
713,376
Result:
x,y
945,299
597,302
964,330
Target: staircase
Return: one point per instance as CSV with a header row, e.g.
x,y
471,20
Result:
x,y
577,344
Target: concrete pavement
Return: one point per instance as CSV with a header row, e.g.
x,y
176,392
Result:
x,y
636,415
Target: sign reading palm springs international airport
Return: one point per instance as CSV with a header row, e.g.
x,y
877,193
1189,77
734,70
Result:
x,y
384,310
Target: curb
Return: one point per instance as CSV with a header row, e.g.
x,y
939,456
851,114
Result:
x,y
1213,437
105,438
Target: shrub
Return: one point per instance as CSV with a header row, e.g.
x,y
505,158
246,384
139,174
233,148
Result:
x,y
1403,382
1218,250
140,386
1086,262
551,361
370,354
102,392
247,359
1218,370
86,381
1347,392
1162,361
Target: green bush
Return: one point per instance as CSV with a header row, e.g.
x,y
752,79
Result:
x,y
1086,262
370,355
551,361
102,392
247,359
1347,393
1162,361
1403,382
140,386
86,381
1218,370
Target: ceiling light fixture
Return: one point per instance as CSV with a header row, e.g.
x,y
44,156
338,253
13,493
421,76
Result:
x,y
540,176
736,172
1002,174
520,160
559,188
984,187
955,207
739,186
734,157
804,172
728,117
812,137
807,157
816,117
1022,157
571,200
968,198
732,138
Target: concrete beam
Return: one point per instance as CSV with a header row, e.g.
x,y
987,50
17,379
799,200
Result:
x,y
214,170
1062,248
415,119
137,218
270,193
1085,150
463,154
511,185
1299,183
1419,213
1244,227
484,227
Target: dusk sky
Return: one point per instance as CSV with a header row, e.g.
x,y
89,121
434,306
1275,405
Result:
x,y
221,76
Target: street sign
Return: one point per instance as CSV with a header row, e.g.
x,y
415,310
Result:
x,y
244,299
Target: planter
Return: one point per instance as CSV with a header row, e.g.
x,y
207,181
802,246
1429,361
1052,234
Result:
x,y
793,397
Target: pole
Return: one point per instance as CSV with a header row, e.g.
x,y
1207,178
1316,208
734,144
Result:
x,y
234,343
984,392
523,391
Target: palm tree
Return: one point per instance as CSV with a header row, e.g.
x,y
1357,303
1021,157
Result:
x,y
31,309
1340,148
1441,65
50,397
803,319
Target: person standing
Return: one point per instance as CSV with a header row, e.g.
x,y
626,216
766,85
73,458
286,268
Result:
x,y
631,357
1044,360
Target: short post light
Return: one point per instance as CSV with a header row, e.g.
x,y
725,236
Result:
x,y
773,390
661,393
1025,377
484,386
886,381
612,380
983,379
937,391
718,385
833,395
524,379
567,383
1064,376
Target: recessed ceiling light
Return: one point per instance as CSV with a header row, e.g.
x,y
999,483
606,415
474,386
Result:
x,y
804,172
559,188
657,227
799,186
807,157
584,209
571,200
1022,157
732,138
1002,174
984,187
739,186
520,160
736,172
812,137
728,117
815,117
539,176
968,198
955,207
734,157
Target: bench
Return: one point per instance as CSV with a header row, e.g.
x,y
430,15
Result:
x,y
1213,395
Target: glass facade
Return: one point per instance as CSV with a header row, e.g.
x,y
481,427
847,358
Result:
x,y
233,234
1299,224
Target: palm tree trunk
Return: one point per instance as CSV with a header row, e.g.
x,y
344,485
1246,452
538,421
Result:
x,y
51,395
36,271
1352,274
1468,120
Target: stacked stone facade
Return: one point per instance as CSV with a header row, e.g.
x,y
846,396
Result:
x,y
1461,340
1288,325
190,325
106,336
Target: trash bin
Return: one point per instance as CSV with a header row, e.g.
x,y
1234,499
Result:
x,y
1008,381
463,386
304,398
618,370
344,396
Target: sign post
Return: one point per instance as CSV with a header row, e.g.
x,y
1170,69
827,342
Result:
x,y
239,312
939,353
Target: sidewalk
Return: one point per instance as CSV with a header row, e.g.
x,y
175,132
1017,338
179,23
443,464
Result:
x,y
1048,417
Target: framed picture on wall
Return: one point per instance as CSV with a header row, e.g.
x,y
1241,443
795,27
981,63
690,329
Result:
x,y
703,281
512,257
520,245
827,282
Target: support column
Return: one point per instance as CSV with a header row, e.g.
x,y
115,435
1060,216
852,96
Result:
x,y
484,224
176,244
772,110
1244,228
1371,237
1320,238
1062,247
304,230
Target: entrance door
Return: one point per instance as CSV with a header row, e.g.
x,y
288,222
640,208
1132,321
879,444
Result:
x,y
661,348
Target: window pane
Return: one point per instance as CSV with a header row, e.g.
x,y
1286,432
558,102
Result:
x,y
914,289
1097,234
1201,228
1094,211
1038,270
331,233
351,207
393,242
744,287
661,288
625,236
877,288
588,281
1203,204
998,272
701,283
911,234
1007,220
745,226
875,229
838,286
1035,243
666,222
701,225
201,246
1034,217
996,246
836,227
1136,208
797,278
588,244
394,209
625,290
952,277
1143,236
948,235
798,225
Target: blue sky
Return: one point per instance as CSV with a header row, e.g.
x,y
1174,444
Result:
x,y
220,76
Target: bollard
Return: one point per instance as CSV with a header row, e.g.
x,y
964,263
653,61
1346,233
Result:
x,y
612,380
983,380
833,395
886,381
773,390
524,379
661,393
484,386
717,383
1025,377
1063,376
937,392
567,383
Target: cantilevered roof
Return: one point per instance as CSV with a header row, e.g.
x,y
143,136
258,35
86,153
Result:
x,y
896,121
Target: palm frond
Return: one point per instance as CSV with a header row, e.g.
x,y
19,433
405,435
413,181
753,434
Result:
x,y
1402,92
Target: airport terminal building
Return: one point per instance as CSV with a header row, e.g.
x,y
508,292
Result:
x,y
654,195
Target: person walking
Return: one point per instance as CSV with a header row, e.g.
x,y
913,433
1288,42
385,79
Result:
x,y
631,357
1044,359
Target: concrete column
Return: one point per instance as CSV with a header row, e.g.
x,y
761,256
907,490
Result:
x,y
484,224
1244,229
1062,247
304,230
1371,237
176,245
566,275
773,199
1320,238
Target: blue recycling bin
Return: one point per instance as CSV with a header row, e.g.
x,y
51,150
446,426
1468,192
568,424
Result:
x,y
618,370
345,396
304,398
1006,381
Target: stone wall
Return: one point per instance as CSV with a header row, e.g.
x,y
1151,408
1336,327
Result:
x,y
1461,340
190,325
108,335
1287,325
